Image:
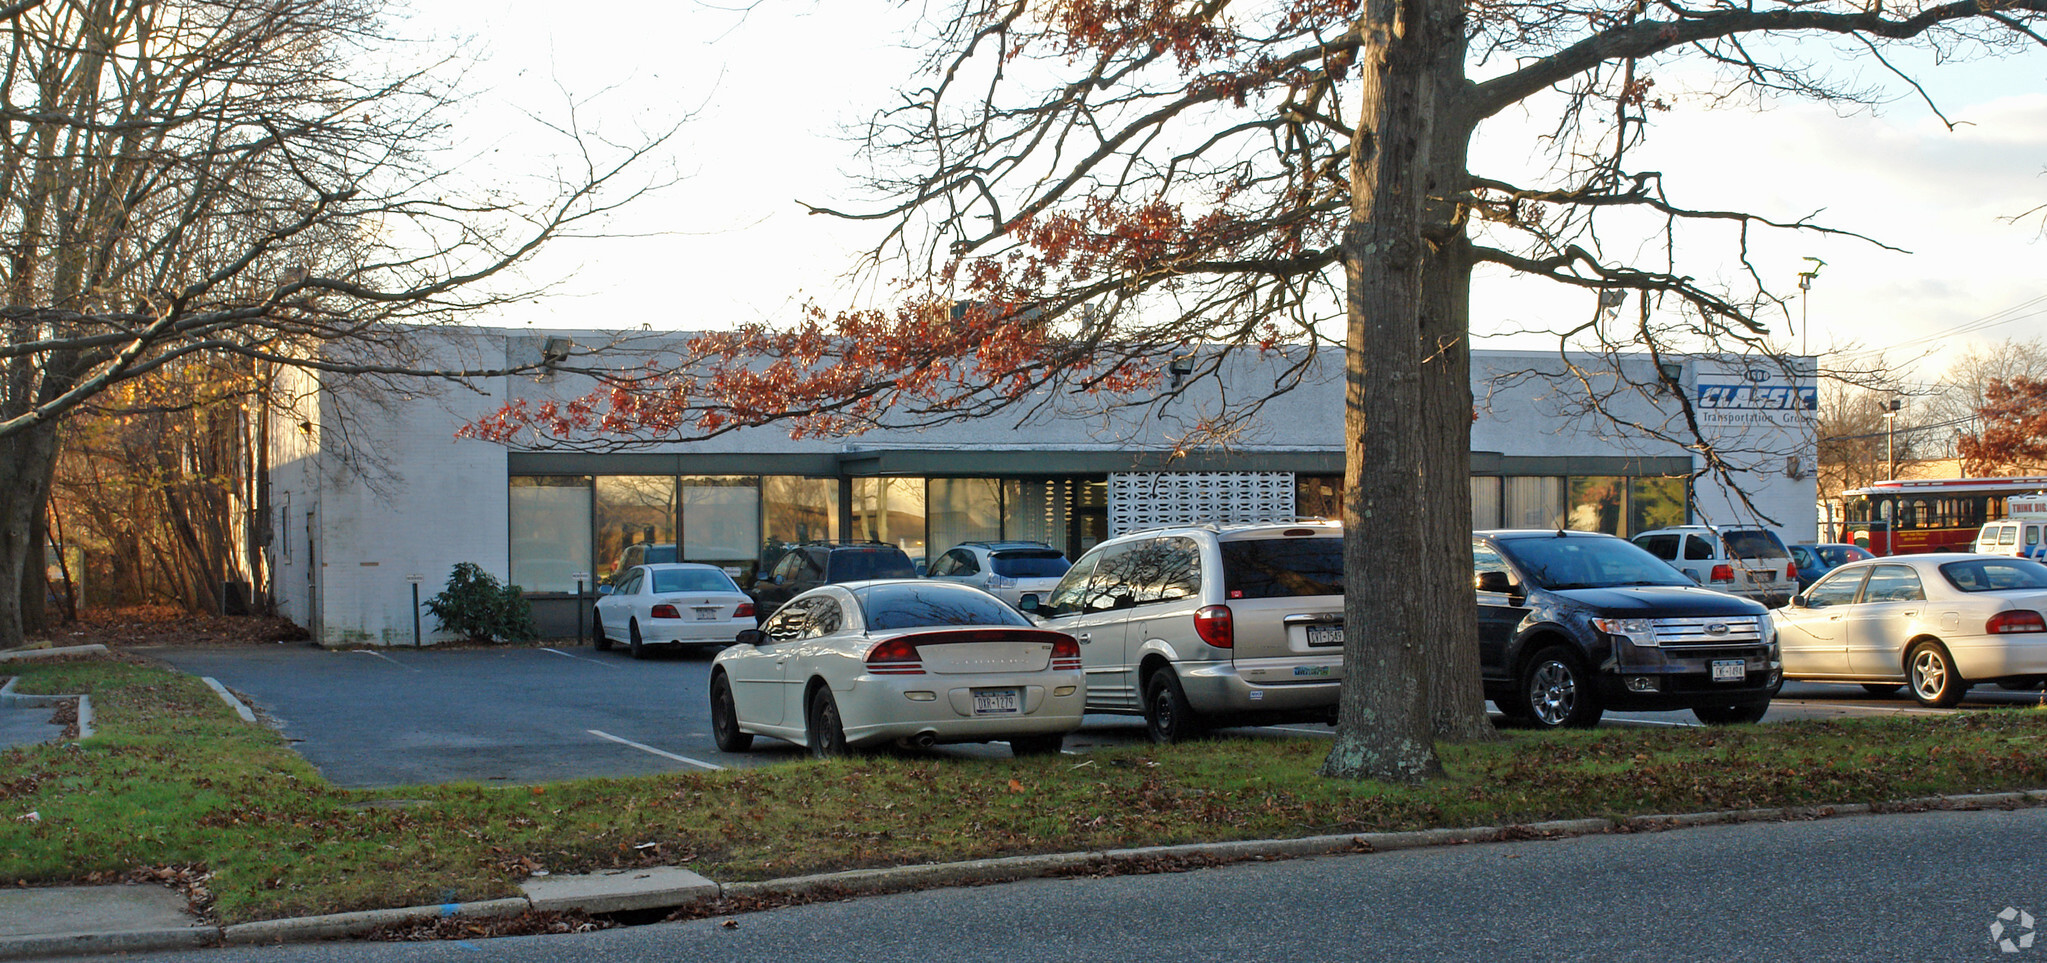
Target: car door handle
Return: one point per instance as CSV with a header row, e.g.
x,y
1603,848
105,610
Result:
x,y
1909,613
1082,638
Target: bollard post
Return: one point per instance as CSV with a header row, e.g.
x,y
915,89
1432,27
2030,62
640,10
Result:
x,y
415,580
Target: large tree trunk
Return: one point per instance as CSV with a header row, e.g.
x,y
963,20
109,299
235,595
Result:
x,y
1457,695
27,461
1384,729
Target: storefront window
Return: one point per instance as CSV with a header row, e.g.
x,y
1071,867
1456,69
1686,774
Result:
x,y
1657,503
1037,511
634,510
961,510
1534,501
550,531
1318,496
721,522
796,510
1597,503
1485,501
890,510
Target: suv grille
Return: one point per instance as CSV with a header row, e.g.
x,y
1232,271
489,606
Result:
x,y
1738,630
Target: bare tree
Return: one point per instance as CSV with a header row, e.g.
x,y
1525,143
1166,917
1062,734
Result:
x,y
187,178
1949,408
1114,183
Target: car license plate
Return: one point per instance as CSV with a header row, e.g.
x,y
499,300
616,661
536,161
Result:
x,y
707,615
1325,635
1729,670
1763,576
995,702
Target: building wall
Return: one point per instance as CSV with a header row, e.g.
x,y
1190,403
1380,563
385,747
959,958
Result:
x,y
426,501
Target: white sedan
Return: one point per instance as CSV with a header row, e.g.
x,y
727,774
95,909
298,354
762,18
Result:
x,y
1936,623
671,603
907,661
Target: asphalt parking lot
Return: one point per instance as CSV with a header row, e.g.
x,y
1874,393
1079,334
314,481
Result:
x,y
400,716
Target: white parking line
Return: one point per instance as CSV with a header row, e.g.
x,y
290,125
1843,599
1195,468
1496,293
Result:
x,y
1305,732
601,734
607,663
386,658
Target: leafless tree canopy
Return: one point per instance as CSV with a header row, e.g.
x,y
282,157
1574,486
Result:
x,y
249,177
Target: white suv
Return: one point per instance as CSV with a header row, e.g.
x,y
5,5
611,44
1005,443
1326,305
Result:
x,y
1007,570
1208,625
1749,562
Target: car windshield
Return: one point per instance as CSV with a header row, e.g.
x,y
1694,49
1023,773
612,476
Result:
x,y
1992,574
918,604
1278,568
1753,543
1029,563
692,580
1560,562
858,564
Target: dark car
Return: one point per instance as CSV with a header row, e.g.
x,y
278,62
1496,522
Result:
x,y
1817,560
1572,624
811,564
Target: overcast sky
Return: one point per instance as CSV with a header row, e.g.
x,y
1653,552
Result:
x,y
770,91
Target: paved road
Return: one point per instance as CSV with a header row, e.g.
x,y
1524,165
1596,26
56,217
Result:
x,y
1922,887
393,717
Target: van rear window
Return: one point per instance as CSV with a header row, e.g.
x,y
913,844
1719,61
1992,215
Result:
x,y
1029,563
1277,568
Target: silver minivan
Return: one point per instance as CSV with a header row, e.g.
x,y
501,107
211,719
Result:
x,y
1204,625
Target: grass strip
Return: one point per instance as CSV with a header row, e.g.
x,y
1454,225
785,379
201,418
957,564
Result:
x,y
175,785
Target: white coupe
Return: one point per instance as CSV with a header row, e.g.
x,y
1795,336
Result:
x,y
671,603
1936,623
908,661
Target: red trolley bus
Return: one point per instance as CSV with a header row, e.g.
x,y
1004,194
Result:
x,y
1926,515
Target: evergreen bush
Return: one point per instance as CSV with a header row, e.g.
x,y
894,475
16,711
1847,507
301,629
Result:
x,y
475,605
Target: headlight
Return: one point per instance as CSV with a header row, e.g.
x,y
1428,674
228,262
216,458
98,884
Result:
x,y
1641,632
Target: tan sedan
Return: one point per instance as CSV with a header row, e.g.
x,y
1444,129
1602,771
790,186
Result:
x,y
1936,623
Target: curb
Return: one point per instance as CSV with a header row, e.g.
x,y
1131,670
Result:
x,y
671,887
14,654
9,697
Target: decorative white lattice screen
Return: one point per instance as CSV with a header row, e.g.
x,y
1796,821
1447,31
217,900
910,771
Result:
x,y
1139,500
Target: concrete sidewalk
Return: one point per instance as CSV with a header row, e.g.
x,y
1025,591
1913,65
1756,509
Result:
x,y
77,920
25,719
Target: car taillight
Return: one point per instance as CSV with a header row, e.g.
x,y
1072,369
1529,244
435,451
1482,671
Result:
x,y
1001,581
1721,573
1790,571
666,612
895,657
1216,626
2016,620
1065,653
744,611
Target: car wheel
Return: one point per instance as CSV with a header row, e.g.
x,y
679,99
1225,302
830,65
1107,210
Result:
x,y
1881,688
1167,716
725,718
1558,691
1934,679
637,647
1731,715
598,638
826,732
1022,746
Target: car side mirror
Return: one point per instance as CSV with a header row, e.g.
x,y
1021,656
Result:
x,y
750,637
1797,601
1029,604
1494,582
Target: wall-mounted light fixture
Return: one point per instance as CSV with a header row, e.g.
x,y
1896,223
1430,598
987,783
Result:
x,y
555,350
1180,368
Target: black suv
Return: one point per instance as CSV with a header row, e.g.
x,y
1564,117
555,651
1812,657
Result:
x,y
812,564
1571,624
